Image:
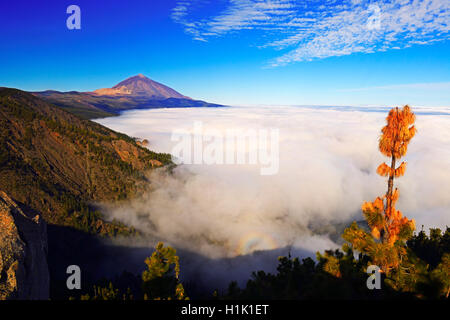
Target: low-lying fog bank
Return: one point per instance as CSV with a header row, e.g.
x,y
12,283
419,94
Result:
x,y
327,163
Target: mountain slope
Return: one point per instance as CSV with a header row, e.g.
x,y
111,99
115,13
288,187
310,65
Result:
x,y
56,163
140,85
138,92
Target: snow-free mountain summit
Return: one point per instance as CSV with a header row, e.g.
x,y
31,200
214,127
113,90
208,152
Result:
x,y
140,85
137,92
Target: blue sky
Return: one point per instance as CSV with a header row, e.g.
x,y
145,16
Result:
x,y
333,52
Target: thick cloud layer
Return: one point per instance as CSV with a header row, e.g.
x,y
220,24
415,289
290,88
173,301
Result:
x,y
328,159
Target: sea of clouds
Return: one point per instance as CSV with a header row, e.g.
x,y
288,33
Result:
x,y
327,167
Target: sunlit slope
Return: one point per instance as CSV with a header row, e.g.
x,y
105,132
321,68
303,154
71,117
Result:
x,y
56,163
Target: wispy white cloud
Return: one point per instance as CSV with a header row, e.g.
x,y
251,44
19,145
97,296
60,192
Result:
x,y
236,15
310,29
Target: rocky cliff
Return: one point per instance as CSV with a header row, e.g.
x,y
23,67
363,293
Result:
x,y
24,271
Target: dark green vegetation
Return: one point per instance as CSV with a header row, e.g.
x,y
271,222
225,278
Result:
x,y
159,281
57,164
338,275
335,275
90,106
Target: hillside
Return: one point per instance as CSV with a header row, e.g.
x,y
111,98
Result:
x,y
138,92
23,253
55,163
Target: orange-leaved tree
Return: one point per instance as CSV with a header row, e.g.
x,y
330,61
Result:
x,y
385,245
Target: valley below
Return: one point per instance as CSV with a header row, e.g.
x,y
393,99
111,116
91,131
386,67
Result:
x,y
227,220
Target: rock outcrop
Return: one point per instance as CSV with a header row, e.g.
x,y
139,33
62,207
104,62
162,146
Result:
x,y
24,273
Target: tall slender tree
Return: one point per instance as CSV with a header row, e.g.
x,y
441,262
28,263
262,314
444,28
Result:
x,y
385,245
161,279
